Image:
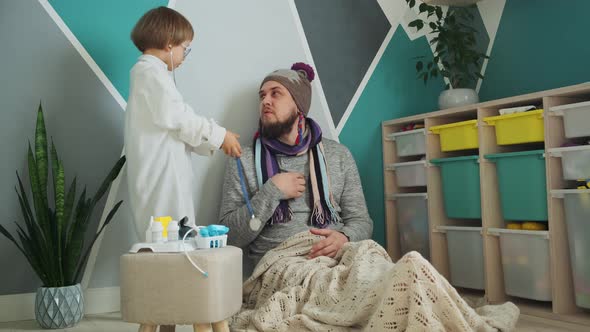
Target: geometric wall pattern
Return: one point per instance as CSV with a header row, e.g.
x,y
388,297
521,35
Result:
x,y
363,53
103,28
343,40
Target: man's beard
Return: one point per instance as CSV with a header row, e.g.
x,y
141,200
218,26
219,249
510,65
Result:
x,y
277,129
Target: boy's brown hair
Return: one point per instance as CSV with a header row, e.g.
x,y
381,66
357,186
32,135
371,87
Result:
x,y
159,27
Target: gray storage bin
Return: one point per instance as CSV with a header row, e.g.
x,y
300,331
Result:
x,y
466,263
577,218
526,263
575,161
412,220
576,118
410,143
410,174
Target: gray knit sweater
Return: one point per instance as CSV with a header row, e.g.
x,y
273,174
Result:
x,y
346,189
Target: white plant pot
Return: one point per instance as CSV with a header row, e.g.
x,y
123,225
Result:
x,y
457,97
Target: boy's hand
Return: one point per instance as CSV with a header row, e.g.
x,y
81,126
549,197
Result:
x,y
230,145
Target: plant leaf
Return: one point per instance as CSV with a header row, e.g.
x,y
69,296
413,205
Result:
x,y
41,154
32,228
54,164
434,72
26,207
75,239
439,12
29,252
59,216
419,66
68,208
40,207
109,179
9,236
423,7
82,262
414,23
60,198
79,215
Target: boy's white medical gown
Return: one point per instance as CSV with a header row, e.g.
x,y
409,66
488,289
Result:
x,y
161,131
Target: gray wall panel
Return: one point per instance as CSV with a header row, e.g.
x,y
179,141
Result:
x,y
344,37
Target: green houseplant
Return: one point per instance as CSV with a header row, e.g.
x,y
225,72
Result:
x,y
456,56
52,238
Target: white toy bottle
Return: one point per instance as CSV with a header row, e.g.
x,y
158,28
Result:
x,y
148,231
173,229
157,232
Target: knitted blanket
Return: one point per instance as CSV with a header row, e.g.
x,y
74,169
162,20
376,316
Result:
x,y
360,289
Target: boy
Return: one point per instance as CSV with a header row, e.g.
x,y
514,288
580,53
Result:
x,y
161,130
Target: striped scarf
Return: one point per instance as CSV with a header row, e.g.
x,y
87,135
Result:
x,y
265,151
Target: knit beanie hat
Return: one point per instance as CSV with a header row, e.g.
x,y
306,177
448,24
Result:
x,y
298,81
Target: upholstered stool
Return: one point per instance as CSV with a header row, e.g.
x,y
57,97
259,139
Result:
x,y
165,289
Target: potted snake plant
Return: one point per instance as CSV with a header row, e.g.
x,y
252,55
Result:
x,y
52,234
456,56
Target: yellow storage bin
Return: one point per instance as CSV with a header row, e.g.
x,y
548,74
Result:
x,y
457,136
517,128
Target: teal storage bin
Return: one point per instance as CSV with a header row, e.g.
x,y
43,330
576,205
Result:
x,y
460,185
522,183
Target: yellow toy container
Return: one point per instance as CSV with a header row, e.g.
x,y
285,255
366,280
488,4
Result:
x,y
164,220
517,128
457,136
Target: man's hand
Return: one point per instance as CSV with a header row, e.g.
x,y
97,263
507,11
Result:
x,y
292,185
330,245
230,145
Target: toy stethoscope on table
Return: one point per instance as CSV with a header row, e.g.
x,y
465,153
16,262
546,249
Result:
x,y
255,223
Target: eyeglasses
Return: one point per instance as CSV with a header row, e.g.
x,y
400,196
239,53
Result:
x,y
187,50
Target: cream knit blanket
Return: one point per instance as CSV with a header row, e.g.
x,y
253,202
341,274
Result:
x,y
359,290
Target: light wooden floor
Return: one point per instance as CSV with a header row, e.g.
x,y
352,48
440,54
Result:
x,y
112,323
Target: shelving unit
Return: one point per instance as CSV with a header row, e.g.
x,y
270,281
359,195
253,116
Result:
x,y
562,307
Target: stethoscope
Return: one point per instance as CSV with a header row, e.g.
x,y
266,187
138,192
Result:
x,y
255,223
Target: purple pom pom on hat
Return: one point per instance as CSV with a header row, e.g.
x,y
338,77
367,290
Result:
x,y
304,68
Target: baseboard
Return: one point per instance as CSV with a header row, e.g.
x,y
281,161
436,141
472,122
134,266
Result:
x,y
19,307
102,300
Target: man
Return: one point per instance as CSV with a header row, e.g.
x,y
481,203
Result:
x,y
297,182
296,179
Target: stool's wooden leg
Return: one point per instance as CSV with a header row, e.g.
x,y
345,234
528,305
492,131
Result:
x,y
167,328
147,328
202,328
221,326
